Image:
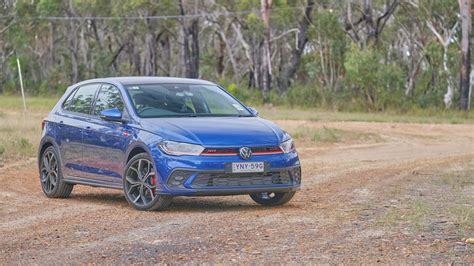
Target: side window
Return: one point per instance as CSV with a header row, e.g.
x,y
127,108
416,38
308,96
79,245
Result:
x,y
108,97
83,98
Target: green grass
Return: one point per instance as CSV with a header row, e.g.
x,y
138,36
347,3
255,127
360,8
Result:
x,y
420,116
415,214
463,216
331,135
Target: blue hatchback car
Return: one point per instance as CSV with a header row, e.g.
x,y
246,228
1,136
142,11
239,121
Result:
x,y
156,138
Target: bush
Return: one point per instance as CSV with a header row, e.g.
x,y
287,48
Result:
x,y
303,96
379,84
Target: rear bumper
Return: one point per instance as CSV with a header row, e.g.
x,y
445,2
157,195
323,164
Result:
x,y
218,183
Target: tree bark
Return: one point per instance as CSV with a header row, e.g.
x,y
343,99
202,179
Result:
x,y
465,11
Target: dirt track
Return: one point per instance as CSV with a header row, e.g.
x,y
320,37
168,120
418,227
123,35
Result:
x,y
353,206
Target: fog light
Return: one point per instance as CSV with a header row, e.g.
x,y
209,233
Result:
x,y
175,183
296,174
177,179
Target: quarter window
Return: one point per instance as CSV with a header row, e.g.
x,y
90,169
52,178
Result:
x,y
109,97
68,101
82,100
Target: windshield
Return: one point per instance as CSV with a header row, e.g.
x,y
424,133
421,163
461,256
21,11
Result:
x,y
183,100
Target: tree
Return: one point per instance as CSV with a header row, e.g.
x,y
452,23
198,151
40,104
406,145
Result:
x,y
445,38
190,44
266,68
366,30
466,28
288,72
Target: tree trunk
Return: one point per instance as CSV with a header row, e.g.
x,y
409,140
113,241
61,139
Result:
x,y
465,11
149,59
220,56
369,23
165,64
190,44
448,96
288,73
266,69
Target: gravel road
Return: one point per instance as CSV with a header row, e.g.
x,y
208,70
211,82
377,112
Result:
x,y
341,214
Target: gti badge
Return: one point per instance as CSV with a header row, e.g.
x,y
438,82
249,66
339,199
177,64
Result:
x,y
245,153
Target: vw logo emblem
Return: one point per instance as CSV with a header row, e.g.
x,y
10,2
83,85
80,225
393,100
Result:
x,y
245,153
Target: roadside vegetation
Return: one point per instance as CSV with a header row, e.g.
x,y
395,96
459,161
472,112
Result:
x,y
332,135
20,133
439,202
353,56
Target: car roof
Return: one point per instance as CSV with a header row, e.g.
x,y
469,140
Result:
x,y
149,80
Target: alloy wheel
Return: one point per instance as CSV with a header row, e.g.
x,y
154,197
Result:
x,y
140,182
49,171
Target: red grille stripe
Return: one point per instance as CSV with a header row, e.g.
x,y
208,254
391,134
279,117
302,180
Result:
x,y
234,151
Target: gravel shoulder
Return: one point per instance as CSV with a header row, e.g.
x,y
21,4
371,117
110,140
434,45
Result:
x,y
408,197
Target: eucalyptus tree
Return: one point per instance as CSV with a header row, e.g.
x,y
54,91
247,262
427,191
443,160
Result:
x,y
465,7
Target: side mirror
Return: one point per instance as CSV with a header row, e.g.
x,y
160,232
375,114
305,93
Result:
x,y
253,111
113,114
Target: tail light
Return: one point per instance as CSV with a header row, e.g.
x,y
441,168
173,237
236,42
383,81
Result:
x,y
43,123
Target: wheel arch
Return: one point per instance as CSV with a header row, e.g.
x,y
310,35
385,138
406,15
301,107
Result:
x,y
44,144
134,149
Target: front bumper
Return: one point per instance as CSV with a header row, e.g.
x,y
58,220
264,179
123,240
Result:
x,y
207,176
195,182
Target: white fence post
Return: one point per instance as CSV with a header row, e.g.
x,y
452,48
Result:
x,y
21,85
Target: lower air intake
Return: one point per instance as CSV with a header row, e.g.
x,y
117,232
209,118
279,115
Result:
x,y
209,180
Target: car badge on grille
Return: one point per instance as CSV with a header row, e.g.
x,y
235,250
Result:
x,y
245,153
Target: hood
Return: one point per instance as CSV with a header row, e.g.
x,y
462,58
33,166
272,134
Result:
x,y
216,131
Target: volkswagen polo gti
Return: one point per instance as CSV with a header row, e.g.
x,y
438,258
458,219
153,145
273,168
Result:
x,y
157,138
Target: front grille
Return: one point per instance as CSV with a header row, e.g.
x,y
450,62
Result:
x,y
209,180
235,151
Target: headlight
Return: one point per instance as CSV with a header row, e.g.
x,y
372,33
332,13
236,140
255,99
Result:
x,y
287,146
180,148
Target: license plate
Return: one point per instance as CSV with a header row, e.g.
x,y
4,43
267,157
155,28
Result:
x,y
248,167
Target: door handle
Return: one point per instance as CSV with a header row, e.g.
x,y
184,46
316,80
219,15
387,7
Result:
x,y
87,130
61,123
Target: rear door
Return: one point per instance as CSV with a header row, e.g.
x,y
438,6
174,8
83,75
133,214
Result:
x,y
73,119
105,142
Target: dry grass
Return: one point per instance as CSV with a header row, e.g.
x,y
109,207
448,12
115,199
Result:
x,y
332,135
20,132
422,116
446,201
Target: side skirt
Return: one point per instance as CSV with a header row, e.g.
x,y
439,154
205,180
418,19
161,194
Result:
x,y
92,183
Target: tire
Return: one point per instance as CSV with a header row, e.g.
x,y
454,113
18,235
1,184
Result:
x,y
51,177
272,198
139,185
